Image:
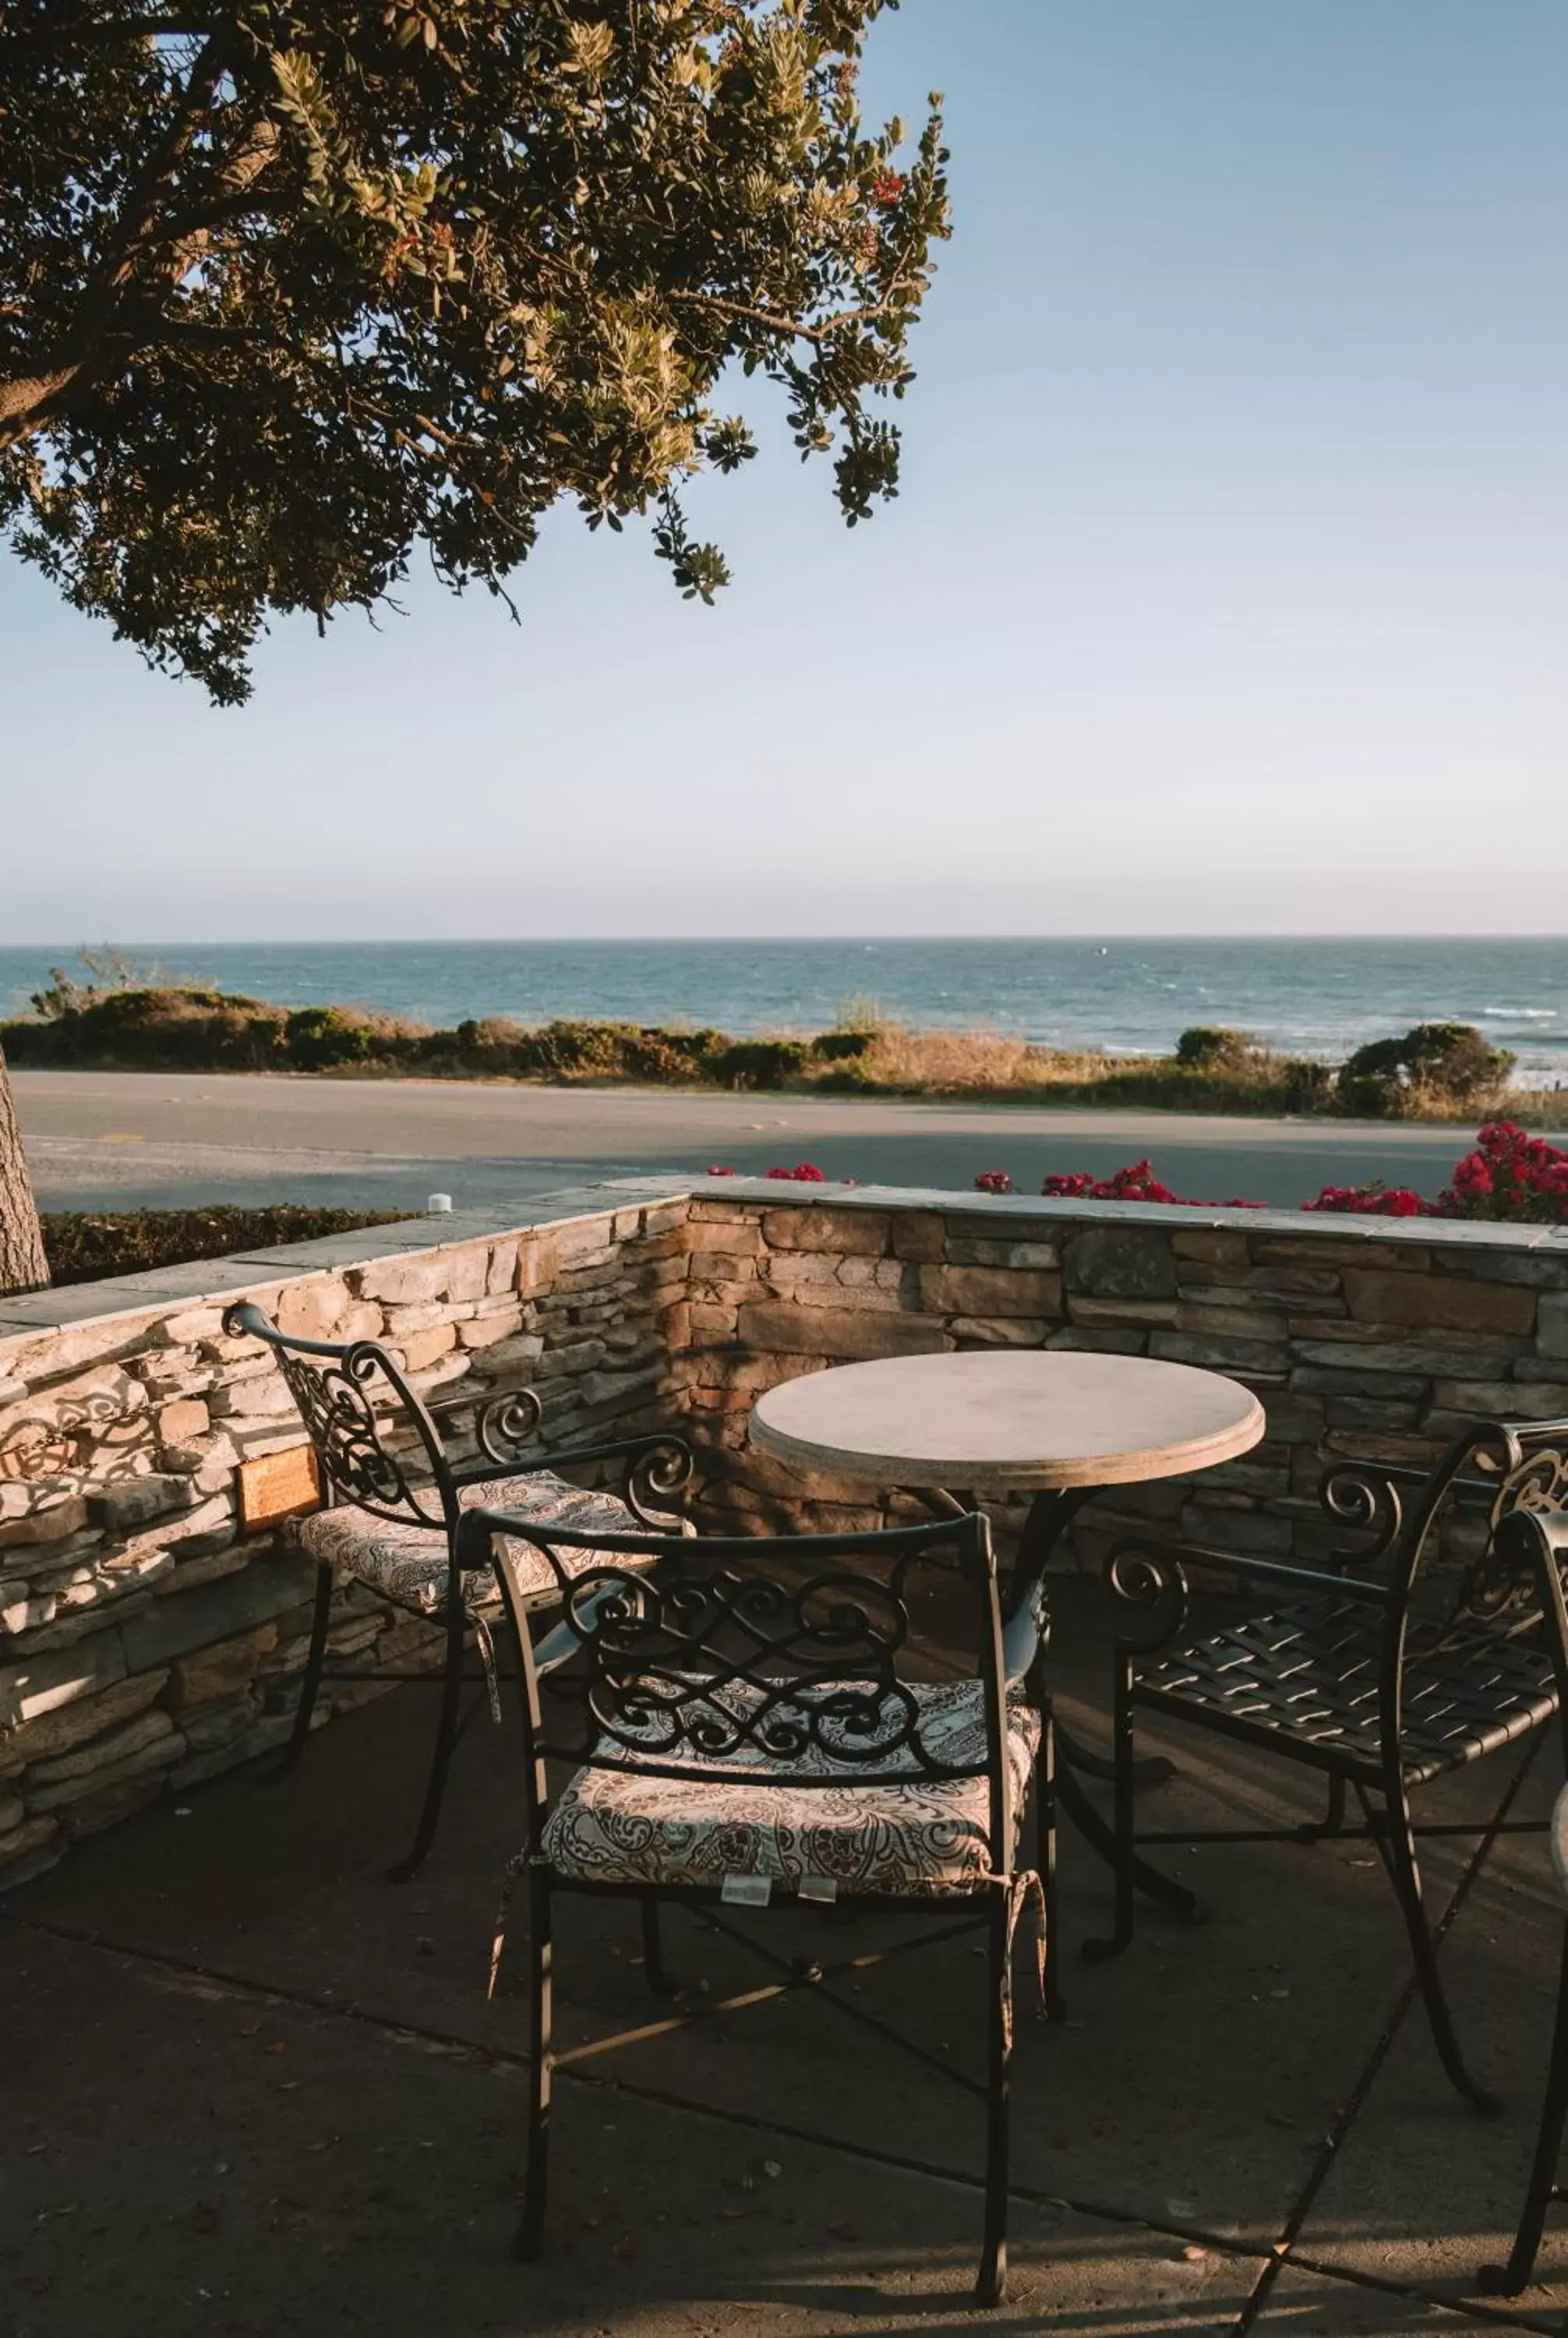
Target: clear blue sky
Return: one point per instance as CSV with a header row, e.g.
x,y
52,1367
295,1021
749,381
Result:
x,y
1226,591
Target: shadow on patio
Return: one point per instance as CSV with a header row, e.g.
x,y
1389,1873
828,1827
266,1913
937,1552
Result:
x,y
251,2087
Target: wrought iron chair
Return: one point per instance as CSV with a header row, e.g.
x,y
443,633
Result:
x,y
1440,1639
745,1728
1550,1530
394,1506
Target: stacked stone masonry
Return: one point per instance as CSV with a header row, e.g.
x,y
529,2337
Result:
x,y
146,1644
1364,1339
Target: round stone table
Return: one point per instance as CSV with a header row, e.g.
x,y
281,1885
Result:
x,y
1060,1426
1007,1422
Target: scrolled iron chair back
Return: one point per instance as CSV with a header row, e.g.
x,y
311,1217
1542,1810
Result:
x,y
334,1386
1457,1574
1452,1565
779,1661
1433,1535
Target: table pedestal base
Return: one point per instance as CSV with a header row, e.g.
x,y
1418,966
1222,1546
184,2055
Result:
x,y
1050,1513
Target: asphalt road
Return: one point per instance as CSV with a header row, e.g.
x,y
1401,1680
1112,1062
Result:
x,y
107,1139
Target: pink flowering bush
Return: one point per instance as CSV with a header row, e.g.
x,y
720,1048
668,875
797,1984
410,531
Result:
x,y
1136,1183
1374,1199
1509,1175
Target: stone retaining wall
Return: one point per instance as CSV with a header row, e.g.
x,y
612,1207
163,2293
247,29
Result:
x,y
1364,1338
146,1644
140,1633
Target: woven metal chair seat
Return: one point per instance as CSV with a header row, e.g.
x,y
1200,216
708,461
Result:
x,y
1304,1682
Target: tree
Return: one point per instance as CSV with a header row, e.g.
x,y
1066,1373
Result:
x,y
23,1266
291,288
287,290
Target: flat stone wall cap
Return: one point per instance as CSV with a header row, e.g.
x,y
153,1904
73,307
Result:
x,y
39,1312
989,1420
1331,1225
199,1278
54,1310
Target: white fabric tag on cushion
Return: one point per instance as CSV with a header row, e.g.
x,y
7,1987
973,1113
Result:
x,y
746,1890
817,1887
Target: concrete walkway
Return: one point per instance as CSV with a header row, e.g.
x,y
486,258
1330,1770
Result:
x,y
104,1140
252,2088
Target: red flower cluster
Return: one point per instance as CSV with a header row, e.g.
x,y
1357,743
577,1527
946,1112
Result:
x,y
1137,1182
887,187
1374,1199
1510,1175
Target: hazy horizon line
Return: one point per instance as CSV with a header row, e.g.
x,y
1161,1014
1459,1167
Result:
x,y
1097,936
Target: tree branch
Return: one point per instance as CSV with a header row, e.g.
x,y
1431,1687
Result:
x,y
792,327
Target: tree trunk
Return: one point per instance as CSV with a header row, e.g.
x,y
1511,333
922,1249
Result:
x,y
22,1266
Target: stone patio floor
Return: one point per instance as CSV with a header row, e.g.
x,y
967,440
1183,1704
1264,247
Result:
x,y
251,2087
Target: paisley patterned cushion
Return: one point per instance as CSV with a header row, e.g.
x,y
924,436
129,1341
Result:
x,y
408,1563
928,1835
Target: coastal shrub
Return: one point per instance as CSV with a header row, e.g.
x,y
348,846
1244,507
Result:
x,y
805,1173
321,1038
567,1049
993,1181
758,1063
152,1030
107,971
1305,1084
840,1047
655,1054
570,1050
1437,1070
491,1043
1208,1048
1442,1065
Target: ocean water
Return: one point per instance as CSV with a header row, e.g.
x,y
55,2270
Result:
x,y
1314,998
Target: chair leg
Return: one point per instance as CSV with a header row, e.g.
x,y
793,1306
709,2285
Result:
x,y
1124,1818
529,2237
1333,1818
446,1738
1507,2281
991,2286
654,1967
1406,1876
310,1686
1046,1859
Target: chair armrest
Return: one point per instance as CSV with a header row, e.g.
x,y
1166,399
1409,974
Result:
x,y
1148,1583
1269,1570
658,1465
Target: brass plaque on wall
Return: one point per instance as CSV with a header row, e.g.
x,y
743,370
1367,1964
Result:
x,y
277,1486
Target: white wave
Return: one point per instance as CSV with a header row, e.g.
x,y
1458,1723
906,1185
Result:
x,y
1519,1015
